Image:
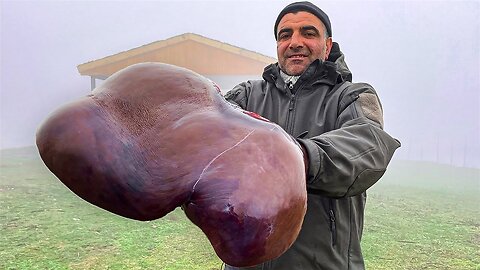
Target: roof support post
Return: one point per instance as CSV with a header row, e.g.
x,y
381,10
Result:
x,y
92,83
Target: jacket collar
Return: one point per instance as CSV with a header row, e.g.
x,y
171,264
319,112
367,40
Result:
x,y
319,72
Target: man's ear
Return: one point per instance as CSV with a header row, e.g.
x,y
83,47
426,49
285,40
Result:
x,y
328,47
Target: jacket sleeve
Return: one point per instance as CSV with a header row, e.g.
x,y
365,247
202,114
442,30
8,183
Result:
x,y
351,158
238,95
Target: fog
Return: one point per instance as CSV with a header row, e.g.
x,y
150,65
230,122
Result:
x,y
422,57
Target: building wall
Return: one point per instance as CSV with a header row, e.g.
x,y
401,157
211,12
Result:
x,y
227,83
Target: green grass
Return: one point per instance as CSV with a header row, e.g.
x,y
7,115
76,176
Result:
x,y
424,216
45,226
419,216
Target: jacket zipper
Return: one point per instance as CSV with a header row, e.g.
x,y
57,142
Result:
x,y
333,225
291,105
292,102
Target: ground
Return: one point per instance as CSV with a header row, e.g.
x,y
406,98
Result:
x,y
419,216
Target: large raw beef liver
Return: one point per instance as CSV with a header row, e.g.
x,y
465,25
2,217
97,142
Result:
x,y
155,137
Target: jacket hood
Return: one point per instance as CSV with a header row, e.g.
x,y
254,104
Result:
x,y
338,58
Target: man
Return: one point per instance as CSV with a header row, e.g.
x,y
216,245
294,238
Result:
x,y
338,124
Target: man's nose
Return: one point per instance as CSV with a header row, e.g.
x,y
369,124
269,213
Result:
x,y
296,41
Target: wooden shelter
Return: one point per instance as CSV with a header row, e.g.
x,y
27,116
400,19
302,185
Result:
x,y
225,64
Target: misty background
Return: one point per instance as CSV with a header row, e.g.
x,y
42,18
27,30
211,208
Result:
x,y
422,57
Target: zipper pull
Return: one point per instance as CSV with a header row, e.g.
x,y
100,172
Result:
x,y
289,85
292,102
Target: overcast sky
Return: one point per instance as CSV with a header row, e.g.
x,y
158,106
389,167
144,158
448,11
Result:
x,y
422,57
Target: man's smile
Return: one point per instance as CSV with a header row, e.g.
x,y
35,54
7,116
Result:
x,y
297,56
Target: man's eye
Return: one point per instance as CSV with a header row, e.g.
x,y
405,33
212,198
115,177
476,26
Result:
x,y
284,36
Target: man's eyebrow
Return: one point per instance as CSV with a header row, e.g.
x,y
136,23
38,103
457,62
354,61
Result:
x,y
310,27
284,30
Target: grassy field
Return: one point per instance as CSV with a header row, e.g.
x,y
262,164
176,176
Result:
x,y
420,216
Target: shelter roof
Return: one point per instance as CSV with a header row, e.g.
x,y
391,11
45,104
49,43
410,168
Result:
x,y
198,53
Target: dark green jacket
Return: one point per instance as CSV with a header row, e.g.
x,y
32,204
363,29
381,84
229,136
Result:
x,y
347,148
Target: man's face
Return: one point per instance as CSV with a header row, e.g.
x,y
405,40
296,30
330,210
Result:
x,y
300,41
